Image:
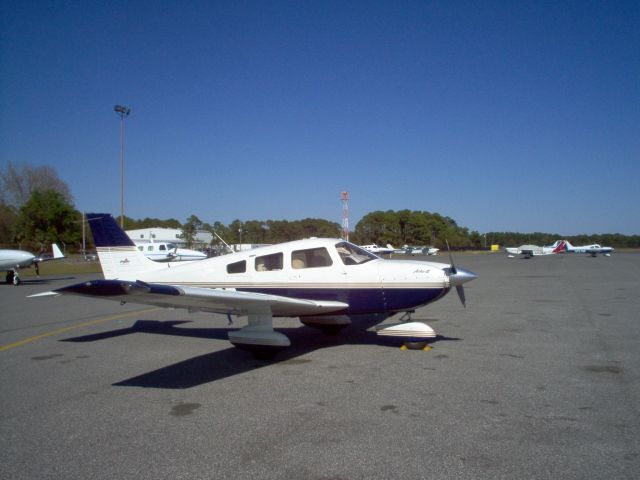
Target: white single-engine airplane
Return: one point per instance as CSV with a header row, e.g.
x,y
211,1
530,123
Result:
x,y
592,250
529,251
13,260
408,250
326,282
376,250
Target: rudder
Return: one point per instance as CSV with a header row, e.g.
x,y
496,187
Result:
x,y
106,232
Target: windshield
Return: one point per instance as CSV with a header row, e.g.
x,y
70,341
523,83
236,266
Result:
x,y
352,254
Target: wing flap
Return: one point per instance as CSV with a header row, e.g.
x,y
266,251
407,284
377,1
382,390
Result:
x,y
198,298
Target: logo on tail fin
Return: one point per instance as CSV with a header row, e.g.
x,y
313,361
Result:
x,y
562,247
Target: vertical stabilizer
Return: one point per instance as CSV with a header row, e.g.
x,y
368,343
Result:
x,y
118,255
57,253
561,247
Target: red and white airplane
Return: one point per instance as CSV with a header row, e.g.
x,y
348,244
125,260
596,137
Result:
x,y
328,283
528,251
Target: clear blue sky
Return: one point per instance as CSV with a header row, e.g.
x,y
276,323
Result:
x,y
519,116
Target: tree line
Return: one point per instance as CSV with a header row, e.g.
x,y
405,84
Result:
x,y
36,209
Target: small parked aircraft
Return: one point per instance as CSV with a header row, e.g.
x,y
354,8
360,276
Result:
x,y
528,251
593,249
375,249
328,283
13,260
168,252
408,250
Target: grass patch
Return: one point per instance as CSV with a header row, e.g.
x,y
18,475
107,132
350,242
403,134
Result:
x,y
73,264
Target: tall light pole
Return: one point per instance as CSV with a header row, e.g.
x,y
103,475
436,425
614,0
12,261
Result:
x,y
123,112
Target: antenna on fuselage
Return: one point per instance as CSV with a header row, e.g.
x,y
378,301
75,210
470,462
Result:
x,y
220,238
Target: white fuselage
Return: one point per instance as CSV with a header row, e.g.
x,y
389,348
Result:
x,y
312,269
12,259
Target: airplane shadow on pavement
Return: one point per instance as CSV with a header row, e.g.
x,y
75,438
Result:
x,y
231,361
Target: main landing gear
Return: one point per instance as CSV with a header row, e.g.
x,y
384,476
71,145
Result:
x,y
416,334
12,277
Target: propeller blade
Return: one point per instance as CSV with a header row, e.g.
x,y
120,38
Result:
x,y
460,290
459,277
453,267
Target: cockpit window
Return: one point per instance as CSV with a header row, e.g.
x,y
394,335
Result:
x,y
310,258
352,254
267,263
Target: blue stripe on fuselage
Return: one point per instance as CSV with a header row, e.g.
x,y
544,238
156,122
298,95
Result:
x,y
361,300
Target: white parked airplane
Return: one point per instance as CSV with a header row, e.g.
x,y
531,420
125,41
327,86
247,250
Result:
x,y
168,252
593,249
418,250
328,283
13,260
375,249
529,251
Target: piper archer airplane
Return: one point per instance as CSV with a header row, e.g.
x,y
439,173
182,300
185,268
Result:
x,y
592,250
328,283
13,260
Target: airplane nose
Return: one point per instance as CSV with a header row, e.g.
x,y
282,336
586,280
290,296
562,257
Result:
x,y
460,276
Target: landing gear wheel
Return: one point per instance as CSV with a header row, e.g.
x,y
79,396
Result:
x,y
10,276
16,280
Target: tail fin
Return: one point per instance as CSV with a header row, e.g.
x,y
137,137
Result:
x,y
118,255
56,251
568,246
561,247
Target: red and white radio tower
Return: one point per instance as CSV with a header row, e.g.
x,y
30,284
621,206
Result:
x,y
344,196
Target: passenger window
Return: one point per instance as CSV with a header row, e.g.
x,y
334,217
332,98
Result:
x,y
150,248
162,247
310,258
141,248
237,267
269,262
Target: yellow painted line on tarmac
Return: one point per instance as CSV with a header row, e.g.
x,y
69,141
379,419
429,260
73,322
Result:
x,y
19,343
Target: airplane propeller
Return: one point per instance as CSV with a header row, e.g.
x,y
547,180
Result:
x,y
459,276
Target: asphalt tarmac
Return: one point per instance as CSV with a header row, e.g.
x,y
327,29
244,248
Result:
x,y
539,377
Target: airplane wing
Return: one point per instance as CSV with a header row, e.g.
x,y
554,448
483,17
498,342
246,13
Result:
x,y
197,298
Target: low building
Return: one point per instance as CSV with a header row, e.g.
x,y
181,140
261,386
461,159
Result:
x,y
169,235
